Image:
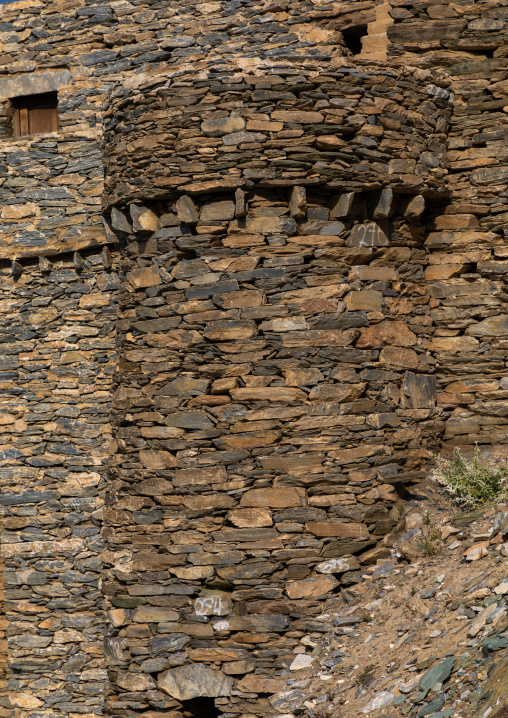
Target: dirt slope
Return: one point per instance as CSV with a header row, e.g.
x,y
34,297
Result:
x,y
421,635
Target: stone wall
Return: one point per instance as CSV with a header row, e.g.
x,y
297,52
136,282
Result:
x,y
277,393
466,243
57,308
58,357
307,250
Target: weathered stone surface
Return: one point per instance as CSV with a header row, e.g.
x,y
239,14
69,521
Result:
x,y
386,333
491,327
143,219
276,498
34,83
338,565
370,234
277,275
222,126
193,681
337,392
187,211
340,530
311,587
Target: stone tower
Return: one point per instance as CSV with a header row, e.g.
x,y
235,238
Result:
x,y
252,271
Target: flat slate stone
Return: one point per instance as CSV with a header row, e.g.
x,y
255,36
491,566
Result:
x,y
437,674
195,681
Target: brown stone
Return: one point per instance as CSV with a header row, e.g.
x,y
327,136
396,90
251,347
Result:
x,y
261,684
320,338
366,300
217,211
399,357
269,394
193,681
338,530
297,116
222,126
157,459
330,142
208,503
198,477
394,333
302,377
314,587
251,518
153,614
273,498
141,278
187,210
298,202
225,331
337,392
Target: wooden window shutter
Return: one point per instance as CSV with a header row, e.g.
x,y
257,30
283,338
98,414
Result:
x,y
35,114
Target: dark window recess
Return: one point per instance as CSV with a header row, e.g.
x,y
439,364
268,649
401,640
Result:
x,y
353,38
35,114
200,708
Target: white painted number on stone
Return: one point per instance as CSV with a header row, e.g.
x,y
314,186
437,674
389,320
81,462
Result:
x,y
211,606
368,235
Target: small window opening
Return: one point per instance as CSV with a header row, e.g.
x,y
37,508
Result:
x,y
353,38
200,708
34,114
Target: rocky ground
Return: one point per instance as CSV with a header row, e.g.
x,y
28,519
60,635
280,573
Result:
x,y
426,631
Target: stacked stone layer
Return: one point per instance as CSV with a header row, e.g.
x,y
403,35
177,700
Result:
x,y
276,365
58,357
466,245
310,265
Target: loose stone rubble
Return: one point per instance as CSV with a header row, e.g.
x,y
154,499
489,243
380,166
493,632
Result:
x,y
223,369
418,639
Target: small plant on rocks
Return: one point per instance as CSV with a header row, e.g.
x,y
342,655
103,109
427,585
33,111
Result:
x,y
431,545
473,481
366,674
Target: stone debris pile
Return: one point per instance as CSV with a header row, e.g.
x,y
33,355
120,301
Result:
x,y
427,638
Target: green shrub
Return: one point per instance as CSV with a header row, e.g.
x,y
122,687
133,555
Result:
x,y
472,481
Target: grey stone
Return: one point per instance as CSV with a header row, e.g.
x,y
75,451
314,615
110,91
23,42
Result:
x,y
216,211
34,83
95,58
222,126
381,206
370,234
119,221
195,681
187,210
298,202
169,644
342,206
420,390
237,138
190,420
437,674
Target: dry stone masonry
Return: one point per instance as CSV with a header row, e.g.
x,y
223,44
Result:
x,y
253,278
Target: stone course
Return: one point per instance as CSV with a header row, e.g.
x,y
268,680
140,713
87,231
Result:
x,y
221,383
